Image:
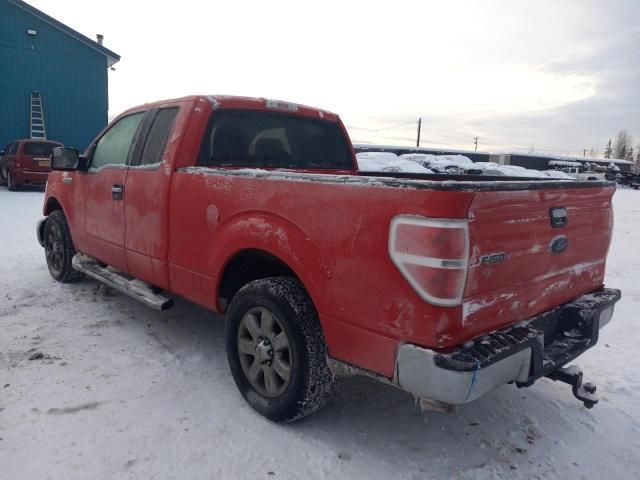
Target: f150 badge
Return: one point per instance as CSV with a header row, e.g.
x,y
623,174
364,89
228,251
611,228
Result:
x,y
492,258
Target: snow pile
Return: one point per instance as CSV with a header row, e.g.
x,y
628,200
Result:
x,y
452,164
387,162
456,159
564,163
558,174
516,171
412,163
440,163
490,168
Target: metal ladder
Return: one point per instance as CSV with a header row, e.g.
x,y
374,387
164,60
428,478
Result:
x,y
37,127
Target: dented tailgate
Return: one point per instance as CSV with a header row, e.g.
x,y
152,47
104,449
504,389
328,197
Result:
x,y
532,250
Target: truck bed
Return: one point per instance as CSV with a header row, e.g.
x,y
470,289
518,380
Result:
x,y
336,240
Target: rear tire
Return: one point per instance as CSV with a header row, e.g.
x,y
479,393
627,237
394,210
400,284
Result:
x,y
59,250
11,182
276,350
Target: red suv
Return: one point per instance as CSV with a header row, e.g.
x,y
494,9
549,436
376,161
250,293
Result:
x,y
26,162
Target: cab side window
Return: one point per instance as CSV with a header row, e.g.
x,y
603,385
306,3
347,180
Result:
x,y
114,146
158,136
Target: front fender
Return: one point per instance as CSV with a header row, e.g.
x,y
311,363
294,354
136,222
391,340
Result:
x,y
59,195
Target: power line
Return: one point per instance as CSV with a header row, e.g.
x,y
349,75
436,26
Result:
x,y
461,140
412,122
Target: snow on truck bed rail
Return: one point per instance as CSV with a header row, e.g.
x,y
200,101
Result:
x,y
386,179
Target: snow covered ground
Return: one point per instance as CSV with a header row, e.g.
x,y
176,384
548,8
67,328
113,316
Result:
x,y
126,392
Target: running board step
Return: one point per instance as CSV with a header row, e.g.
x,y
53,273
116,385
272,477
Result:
x,y
135,288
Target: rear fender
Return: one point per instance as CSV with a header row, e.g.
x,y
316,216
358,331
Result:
x,y
279,237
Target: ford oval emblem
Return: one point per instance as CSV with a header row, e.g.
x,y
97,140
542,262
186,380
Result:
x,y
559,244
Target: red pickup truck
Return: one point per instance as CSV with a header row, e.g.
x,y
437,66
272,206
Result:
x,y
444,286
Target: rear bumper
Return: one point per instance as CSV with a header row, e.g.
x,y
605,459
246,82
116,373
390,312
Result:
x,y
31,177
521,353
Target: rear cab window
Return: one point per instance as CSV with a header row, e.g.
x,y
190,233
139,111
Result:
x,y
40,149
257,139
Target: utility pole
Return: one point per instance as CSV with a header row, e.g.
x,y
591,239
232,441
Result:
x,y
475,140
419,125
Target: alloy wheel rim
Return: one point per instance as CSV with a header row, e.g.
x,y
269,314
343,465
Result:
x,y
265,352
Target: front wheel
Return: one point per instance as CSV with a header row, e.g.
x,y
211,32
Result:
x,y
12,186
276,350
59,250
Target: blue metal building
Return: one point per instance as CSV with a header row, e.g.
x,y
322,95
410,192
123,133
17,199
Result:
x,y
68,70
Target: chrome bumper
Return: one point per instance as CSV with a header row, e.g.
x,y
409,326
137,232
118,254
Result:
x,y
522,354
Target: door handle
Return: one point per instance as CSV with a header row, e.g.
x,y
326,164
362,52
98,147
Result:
x,y
117,191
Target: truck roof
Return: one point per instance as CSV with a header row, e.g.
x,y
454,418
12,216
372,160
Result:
x,y
35,140
251,103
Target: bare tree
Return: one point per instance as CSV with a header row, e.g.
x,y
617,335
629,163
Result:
x,y
594,153
622,145
607,150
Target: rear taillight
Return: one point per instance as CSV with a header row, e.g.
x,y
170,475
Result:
x,y
433,256
611,224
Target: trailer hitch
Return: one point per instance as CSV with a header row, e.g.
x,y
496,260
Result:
x,y
585,392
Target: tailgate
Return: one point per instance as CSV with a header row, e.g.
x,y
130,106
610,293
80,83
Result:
x,y
35,156
522,265
36,163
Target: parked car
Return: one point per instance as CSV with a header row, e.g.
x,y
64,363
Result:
x,y
256,209
26,162
579,174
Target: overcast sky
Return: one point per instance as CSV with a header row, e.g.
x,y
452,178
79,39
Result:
x,y
558,75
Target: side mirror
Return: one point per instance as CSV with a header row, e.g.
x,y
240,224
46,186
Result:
x,y
67,159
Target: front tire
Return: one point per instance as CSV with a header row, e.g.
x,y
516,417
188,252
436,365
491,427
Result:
x,y
276,350
12,186
59,250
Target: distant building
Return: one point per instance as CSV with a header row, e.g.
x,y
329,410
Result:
x,y
547,162
53,80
